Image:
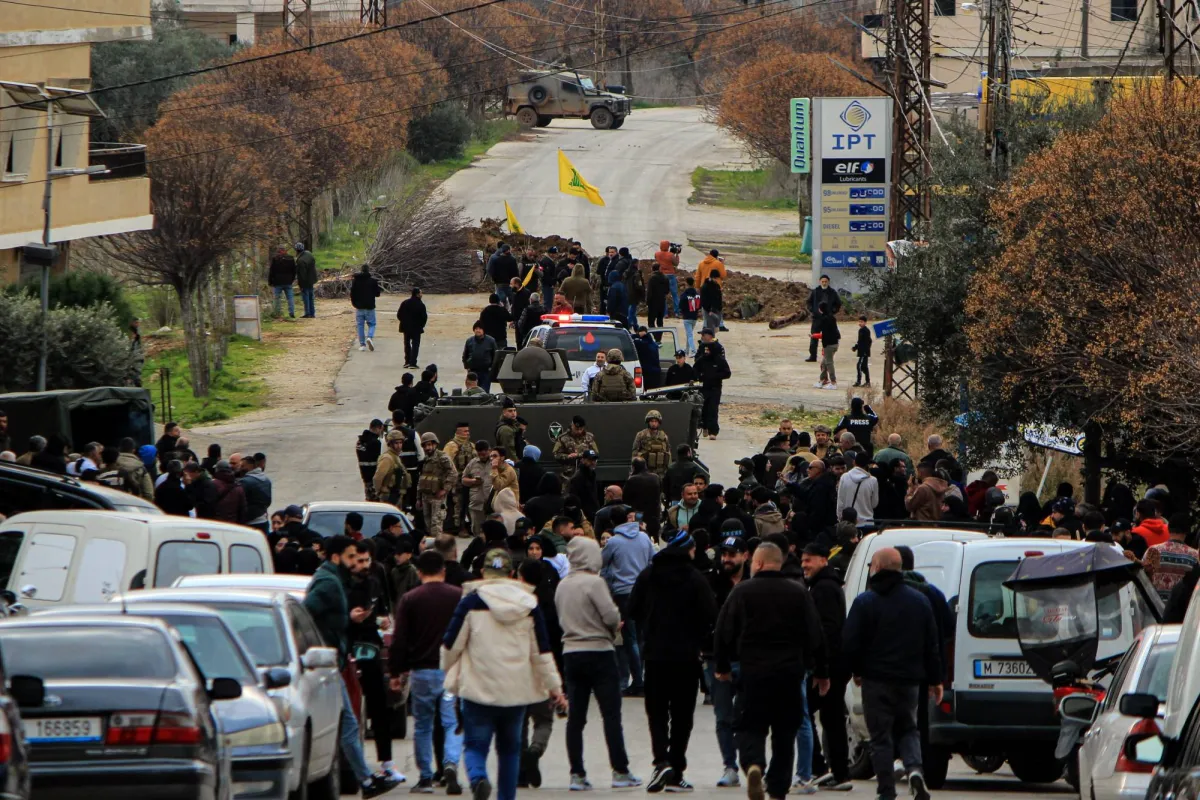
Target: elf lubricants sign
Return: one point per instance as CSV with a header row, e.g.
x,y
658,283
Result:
x,y
853,143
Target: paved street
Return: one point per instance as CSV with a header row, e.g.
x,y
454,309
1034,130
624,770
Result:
x,y
705,766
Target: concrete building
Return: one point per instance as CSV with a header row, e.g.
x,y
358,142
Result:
x,y
244,21
45,57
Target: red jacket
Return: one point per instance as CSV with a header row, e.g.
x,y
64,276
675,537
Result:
x,y
976,493
1154,531
229,500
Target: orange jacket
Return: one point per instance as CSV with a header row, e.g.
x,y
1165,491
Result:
x,y
710,264
666,260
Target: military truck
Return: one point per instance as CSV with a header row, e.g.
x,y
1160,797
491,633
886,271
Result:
x,y
546,95
548,412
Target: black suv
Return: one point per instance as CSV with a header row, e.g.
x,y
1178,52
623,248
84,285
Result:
x,y
28,489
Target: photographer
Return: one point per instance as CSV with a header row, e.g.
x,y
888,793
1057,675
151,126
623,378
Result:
x,y
667,259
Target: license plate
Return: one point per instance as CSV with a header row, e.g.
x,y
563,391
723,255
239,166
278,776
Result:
x,y
1003,668
63,729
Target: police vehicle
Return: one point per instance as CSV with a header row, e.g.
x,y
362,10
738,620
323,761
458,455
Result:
x,y
584,335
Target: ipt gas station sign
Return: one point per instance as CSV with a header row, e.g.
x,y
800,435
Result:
x,y
852,142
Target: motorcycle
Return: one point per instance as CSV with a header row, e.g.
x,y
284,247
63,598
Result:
x,y
1066,605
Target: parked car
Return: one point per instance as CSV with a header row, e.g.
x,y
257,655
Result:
x,y
49,559
581,336
132,718
294,585
250,725
328,517
28,489
1105,772
15,778
279,632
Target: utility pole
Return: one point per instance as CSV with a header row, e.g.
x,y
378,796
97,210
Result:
x,y
599,46
1083,29
297,22
374,13
1181,24
999,49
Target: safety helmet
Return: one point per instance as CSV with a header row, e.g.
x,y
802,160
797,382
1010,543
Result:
x,y
653,414
429,436
395,436
614,356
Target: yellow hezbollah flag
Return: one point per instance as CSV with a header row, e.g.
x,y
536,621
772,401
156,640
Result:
x,y
513,225
571,182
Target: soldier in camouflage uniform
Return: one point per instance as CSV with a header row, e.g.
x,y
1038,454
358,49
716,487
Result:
x,y
613,384
461,450
391,478
570,444
438,478
508,432
653,445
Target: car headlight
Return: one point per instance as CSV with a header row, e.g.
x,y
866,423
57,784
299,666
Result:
x,y
271,733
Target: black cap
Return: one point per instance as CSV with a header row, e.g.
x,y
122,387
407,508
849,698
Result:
x,y
681,354
734,544
745,462
814,549
1121,524
588,454
732,524
483,444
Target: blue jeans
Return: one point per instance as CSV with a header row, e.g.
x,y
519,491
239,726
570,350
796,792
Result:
x,y
629,654
480,722
673,282
504,292
804,737
724,695
310,304
285,291
430,700
365,316
351,745
689,333
632,316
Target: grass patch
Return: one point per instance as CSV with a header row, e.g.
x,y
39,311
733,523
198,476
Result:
x,y
786,246
345,247
800,416
489,133
230,392
745,189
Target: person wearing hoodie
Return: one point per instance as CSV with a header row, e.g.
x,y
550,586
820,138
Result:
x,y
591,623
1148,524
859,489
767,519
890,645
497,658
364,288
893,486
658,291
675,610
228,498
817,496
625,556
977,491
825,587
577,289
617,299
925,491
667,262
545,502
367,450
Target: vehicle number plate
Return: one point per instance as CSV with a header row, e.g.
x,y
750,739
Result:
x,y
63,729
1003,668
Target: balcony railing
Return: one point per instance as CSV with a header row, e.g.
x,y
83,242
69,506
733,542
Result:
x,y
121,160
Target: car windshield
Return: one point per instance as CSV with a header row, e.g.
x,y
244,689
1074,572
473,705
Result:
x,y
258,627
582,344
214,650
333,523
587,83
1157,671
53,653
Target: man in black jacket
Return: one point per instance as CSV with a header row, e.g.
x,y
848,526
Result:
x,y
502,268
281,274
825,587
658,289
732,570
712,369
518,301
583,484
404,399
413,318
367,451
643,493
770,625
495,319
675,609
890,646
363,291
680,473
530,318
817,497
827,327
823,293
478,354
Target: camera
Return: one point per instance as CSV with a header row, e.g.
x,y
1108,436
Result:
x,y
675,247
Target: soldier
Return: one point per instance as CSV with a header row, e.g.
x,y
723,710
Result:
x,y
477,477
391,478
570,444
509,434
613,384
367,450
438,477
653,445
461,451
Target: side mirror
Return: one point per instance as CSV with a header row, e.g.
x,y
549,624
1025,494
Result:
x,y
320,658
1139,705
1078,708
28,691
224,689
276,678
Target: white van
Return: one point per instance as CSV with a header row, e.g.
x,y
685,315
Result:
x,y
994,708
49,559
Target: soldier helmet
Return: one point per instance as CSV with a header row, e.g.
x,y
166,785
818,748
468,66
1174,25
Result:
x,y
429,436
653,414
395,436
614,356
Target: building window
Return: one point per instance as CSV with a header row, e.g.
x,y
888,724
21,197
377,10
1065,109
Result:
x,y
1124,10
944,8
232,39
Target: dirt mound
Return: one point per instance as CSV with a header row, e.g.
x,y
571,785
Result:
x,y
488,234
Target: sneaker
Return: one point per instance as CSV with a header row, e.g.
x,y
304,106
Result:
x,y
625,780
362,348
801,786
754,783
729,778
830,386
916,786
377,785
811,360
823,779
833,786
580,783
680,786
370,344
450,778
533,772
662,775
481,789
817,385
423,786
388,769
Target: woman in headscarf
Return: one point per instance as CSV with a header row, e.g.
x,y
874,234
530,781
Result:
x,y
545,502
505,503
529,474
1029,511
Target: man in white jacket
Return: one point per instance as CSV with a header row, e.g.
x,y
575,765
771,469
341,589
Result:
x,y
497,658
859,489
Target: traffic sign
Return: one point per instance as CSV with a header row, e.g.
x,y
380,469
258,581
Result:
x,y
885,327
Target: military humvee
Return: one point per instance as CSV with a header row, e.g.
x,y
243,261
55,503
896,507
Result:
x,y
546,95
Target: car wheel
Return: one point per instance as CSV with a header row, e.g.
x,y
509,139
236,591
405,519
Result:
x,y
543,120
329,787
1034,766
860,755
301,792
936,767
618,122
602,119
527,117
986,763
